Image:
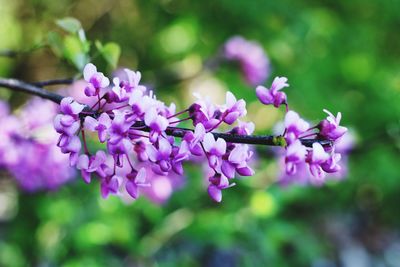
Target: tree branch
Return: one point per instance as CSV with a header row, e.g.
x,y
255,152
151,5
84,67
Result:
x,y
54,82
28,88
269,140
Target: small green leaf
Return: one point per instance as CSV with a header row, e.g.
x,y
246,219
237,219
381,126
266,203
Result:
x,y
98,45
55,42
69,24
110,52
75,52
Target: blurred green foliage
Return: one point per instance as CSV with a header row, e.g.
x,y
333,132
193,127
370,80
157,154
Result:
x,y
340,55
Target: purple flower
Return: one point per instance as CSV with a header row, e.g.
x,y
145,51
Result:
x,y
204,112
273,96
157,123
71,145
251,56
136,179
28,147
194,139
316,158
331,164
133,81
218,182
91,164
138,102
121,147
67,125
160,156
214,148
234,109
119,142
301,176
295,126
237,161
330,128
69,106
100,125
119,127
243,128
140,150
295,155
95,79
39,166
110,185
178,155
38,113
118,91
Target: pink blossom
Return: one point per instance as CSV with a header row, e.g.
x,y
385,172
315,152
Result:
x,y
295,155
91,164
195,138
273,96
294,126
330,128
234,109
214,148
316,158
96,80
100,125
136,179
218,182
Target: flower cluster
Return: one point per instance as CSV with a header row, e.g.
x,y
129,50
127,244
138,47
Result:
x,y
140,134
27,147
318,159
303,174
251,57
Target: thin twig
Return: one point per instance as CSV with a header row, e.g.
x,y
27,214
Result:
x,y
28,88
54,82
8,53
15,53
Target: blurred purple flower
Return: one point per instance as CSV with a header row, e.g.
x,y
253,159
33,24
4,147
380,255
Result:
x,y
294,126
295,155
252,58
27,146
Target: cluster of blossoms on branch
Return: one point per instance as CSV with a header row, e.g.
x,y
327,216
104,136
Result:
x,y
142,136
318,160
27,146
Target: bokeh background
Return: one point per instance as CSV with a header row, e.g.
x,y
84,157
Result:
x,y
340,55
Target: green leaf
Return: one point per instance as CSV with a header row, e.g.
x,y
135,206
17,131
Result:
x,y
55,42
69,24
75,52
110,52
98,45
